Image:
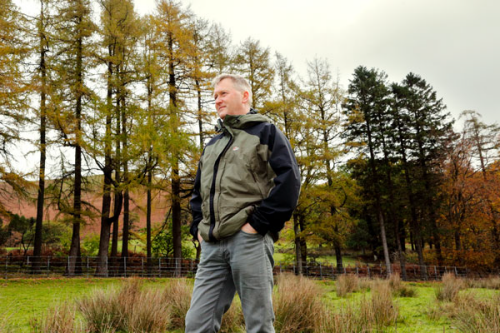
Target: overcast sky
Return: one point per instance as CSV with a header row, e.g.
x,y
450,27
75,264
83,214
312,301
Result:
x,y
453,44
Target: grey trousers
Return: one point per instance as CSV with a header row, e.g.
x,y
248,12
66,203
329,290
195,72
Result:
x,y
242,263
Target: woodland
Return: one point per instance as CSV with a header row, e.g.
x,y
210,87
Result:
x,y
120,105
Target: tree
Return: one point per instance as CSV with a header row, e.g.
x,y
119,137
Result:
x,y
174,40
368,96
481,138
14,99
431,131
254,63
73,33
324,98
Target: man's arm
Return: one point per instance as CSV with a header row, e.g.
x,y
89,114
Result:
x,y
278,207
195,204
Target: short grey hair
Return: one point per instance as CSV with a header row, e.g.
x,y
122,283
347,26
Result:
x,y
240,83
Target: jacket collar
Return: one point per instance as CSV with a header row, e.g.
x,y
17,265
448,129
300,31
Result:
x,y
240,121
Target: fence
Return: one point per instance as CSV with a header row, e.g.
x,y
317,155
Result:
x,y
29,266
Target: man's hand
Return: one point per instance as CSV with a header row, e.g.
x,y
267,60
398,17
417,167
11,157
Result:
x,y
248,229
199,238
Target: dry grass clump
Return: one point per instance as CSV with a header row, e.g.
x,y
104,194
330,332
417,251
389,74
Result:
x,y
233,321
477,315
380,308
449,288
177,295
346,284
129,309
344,320
400,289
492,282
59,319
296,304
369,314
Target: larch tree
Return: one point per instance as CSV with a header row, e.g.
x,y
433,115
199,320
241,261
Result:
x,y
174,39
73,32
254,63
14,98
324,98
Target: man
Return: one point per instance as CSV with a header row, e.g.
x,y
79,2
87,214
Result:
x,y
246,188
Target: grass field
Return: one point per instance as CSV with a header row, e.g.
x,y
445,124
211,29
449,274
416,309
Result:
x,y
21,300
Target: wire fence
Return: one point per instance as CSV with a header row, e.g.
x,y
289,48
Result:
x,y
37,267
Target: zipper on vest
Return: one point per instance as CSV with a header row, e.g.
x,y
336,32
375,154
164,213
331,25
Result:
x,y
212,190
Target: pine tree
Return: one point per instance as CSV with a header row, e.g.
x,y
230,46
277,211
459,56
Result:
x,y
368,95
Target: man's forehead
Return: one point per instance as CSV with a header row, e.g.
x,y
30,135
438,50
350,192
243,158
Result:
x,y
224,84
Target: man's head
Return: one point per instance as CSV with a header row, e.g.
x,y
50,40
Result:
x,y
232,94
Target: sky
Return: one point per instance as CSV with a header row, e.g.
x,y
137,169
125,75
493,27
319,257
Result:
x,y
453,44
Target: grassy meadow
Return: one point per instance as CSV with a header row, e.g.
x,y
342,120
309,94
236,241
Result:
x,y
347,305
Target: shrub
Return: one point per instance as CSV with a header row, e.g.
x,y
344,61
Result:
x,y
296,304
346,284
477,315
449,288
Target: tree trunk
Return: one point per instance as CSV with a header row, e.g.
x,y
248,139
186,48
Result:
x,y
37,250
74,252
298,252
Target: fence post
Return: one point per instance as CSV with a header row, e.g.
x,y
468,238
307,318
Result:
x,y
456,272
435,272
357,270
368,270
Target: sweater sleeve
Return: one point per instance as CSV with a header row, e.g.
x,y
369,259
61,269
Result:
x,y
278,207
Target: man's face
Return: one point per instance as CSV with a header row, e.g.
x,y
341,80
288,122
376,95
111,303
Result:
x,y
229,100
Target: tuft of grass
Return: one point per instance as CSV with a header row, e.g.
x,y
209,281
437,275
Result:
x,y
233,320
449,288
381,307
368,314
58,319
129,309
345,319
492,282
477,315
296,304
346,284
400,289
178,297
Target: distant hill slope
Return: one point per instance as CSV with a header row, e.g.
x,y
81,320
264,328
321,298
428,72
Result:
x,y
160,207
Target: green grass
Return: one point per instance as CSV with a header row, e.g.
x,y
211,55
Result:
x,y
23,299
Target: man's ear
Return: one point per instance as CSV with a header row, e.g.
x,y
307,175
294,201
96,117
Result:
x,y
246,94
